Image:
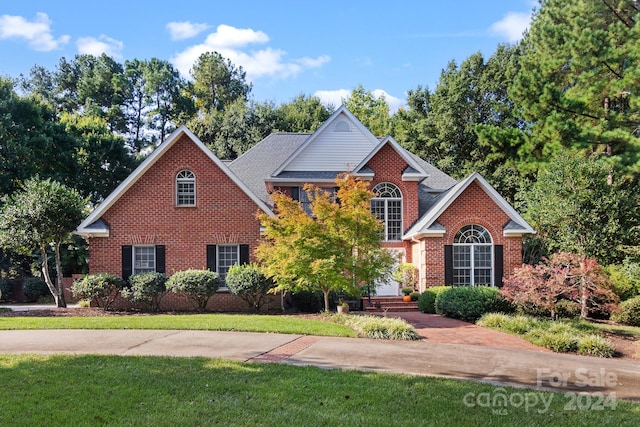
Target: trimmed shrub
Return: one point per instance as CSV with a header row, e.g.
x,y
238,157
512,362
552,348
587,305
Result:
x,y
559,336
559,342
378,327
628,312
6,288
146,288
519,325
34,288
427,300
249,283
198,286
101,288
469,303
595,345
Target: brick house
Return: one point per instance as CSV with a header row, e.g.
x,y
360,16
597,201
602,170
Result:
x,y
185,208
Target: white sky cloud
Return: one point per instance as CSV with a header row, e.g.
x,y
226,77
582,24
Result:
x,y
235,44
512,26
36,32
185,30
98,46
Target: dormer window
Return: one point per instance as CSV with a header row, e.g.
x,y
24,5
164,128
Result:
x,y
185,188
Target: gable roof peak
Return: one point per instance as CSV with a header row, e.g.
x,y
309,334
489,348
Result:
x,y
424,224
86,229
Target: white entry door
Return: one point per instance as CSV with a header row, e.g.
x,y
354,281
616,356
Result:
x,y
391,288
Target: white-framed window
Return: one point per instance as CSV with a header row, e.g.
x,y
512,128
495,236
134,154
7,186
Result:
x,y
144,259
226,257
387,207
472,256
185,188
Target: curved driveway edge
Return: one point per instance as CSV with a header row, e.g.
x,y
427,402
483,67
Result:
x,y
560,372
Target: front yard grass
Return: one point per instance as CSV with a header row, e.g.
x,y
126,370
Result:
x,y
202,322
162,391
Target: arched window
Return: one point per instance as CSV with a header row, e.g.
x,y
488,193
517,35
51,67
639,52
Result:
x,y
185,188
387,207
473,256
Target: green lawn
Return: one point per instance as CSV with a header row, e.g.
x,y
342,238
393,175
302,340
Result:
x,y
631,331
204,322
159,391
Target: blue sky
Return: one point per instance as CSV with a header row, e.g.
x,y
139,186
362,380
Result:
x,y
287,48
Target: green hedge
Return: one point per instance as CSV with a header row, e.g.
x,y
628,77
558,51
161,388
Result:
x,y
469,303
427,300
197,285
5,289
101,288
34,288
628,312
146,288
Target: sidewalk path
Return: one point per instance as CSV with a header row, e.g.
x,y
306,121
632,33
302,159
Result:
x,y
442,329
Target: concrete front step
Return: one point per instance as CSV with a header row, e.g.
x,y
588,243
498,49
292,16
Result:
x,y
381,304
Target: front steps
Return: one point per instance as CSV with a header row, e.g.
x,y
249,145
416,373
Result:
x,y
390,304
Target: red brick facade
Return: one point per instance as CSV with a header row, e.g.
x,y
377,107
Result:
x,y
146,214
143,211
473,206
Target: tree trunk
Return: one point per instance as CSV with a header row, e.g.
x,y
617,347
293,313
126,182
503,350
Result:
x,y
61,300
47,278
326,301
584,311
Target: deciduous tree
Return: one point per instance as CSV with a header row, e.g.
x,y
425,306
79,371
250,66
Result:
x,y
573,209
39,217
563,276
336,248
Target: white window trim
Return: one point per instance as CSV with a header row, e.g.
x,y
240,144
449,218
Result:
x,y
182,179
471,253
386,209
133,258
223,283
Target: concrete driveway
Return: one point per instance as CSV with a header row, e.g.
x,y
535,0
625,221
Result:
x,y
518,367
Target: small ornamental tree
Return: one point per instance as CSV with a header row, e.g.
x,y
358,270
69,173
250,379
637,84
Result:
x,y
249,283
100,288
147,288
336,248
563,276
406,274
41,216
196,285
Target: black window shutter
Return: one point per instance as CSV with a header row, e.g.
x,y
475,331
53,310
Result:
x,y
448,265
127,261
244,254
295,193
211,258
160,259
498,272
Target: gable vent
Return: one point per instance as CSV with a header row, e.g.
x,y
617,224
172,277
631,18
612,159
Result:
x,y
342,126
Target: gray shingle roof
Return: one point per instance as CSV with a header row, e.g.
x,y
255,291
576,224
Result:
x,y
263,159
259,162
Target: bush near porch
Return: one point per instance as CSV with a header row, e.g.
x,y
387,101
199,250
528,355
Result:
x,y
469,303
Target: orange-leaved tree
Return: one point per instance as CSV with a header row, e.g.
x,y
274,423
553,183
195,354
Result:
x,y
334,248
